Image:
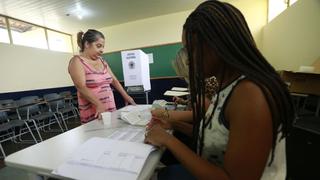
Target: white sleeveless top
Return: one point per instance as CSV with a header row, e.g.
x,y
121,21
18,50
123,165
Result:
x,y
216,138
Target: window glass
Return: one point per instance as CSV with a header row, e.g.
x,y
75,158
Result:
x,y
292,2
275,7
59,42
27,34
4,35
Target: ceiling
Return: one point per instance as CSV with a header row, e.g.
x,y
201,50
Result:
x,y
70,16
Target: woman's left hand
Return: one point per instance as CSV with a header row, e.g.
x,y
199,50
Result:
x,y
129,100
157,136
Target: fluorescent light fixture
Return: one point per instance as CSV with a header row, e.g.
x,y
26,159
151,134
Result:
x,y
79,16
80,12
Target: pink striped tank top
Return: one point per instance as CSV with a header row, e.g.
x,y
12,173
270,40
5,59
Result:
x,y
99,84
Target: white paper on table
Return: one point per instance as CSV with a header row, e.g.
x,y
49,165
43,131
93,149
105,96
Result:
x,y
175,93
132,134
99,158
135,108
139,118
179,89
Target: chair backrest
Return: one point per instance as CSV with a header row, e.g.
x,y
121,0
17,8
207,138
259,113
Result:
x,y
3,117
54,105
11,104
7,101
32,108
65,93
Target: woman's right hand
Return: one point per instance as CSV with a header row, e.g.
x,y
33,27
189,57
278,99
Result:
x,y
100,108
178,100
161,117
157,113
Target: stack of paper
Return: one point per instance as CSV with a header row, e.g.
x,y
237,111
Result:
x,y
131,133
136,115
139,118
175,93
135,108
179,89
100,159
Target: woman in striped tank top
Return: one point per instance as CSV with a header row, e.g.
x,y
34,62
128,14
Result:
x,y
92,77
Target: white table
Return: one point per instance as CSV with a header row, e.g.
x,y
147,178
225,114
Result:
x,y
44,157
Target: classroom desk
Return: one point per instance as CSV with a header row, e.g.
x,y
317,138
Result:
x,y
44,157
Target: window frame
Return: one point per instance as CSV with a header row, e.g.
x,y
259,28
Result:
x,y
288,4
45,30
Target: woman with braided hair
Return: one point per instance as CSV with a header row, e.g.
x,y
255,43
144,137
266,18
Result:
x,y
242,134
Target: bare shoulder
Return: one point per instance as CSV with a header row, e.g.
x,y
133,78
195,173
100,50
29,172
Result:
x,y
74,60
248,99
248,90
75,64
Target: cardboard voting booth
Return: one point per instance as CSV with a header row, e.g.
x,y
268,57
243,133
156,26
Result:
x,y
135,64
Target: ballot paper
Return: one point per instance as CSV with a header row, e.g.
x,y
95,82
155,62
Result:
x,y
136,115
131,134
138,118
175,93
105,158
135,108
179,89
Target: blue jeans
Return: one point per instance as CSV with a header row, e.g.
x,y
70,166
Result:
x,y
174,172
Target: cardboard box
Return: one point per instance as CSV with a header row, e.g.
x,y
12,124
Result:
x,y
316,66
300,82
135,64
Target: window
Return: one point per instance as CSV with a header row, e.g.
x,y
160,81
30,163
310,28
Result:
x,y
292,2
27,34
4,34
59,42
276,7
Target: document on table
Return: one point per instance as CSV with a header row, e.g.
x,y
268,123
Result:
x,y
135,108
139,118
175,93
179,89
132,134
138,115
103,158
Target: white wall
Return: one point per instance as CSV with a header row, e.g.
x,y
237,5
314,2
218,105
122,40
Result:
x,y
168,28
146,32
255,12
293,38
25,68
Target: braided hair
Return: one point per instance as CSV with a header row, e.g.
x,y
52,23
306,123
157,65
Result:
x,y
222,29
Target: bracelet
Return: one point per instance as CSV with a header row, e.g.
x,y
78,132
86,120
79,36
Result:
x,y
166,114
